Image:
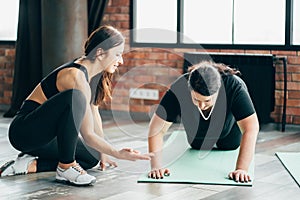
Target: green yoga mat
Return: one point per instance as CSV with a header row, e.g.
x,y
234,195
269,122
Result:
x,y
291,162
196,166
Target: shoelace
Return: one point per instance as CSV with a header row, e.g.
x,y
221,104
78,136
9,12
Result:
x,y
78,168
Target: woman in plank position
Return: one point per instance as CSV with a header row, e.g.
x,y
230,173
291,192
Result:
x,y
65,103
216,111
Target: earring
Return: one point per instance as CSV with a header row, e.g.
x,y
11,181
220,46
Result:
x,y
99,54
99,57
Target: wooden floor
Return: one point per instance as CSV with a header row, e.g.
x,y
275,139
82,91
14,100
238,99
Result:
x,y
271,181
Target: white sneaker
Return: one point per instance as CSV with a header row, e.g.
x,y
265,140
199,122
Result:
x,y
74,175
19,166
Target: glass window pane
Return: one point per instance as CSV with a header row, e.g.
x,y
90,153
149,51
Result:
x,y
155,21
207,22
259,22
9,11
296,22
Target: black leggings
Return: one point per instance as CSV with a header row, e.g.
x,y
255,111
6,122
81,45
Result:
x,y
50,131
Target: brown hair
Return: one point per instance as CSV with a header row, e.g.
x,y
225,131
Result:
x,y
104,37
205,77
221,67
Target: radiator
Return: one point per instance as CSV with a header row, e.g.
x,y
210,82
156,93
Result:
x,y
257,70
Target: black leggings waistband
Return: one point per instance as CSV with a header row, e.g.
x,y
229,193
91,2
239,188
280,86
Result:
x,y
28,106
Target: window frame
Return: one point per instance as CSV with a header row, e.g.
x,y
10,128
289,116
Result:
x,y
288,34
7,42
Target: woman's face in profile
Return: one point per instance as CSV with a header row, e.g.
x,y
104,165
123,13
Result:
x,y
113,58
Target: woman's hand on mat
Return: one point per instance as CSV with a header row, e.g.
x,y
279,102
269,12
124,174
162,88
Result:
x,y
133,155
159,173
239,175
105,161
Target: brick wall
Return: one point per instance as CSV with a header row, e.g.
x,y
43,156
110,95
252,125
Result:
x,y
157,68
7,57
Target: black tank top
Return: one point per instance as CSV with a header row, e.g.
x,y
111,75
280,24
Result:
x,y
48,83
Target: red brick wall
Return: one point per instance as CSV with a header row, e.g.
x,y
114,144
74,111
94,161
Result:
x,y
156,68
7,57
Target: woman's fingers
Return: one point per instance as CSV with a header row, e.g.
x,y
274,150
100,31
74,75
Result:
x,y
141,157
103,165
112,163
133,155
167,172
239,176
230,175
158,173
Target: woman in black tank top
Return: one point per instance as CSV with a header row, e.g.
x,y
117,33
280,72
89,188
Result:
x,y
65,104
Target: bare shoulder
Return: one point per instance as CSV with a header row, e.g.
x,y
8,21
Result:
x,y
71,78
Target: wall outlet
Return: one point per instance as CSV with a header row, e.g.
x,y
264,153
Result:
x,y
141,93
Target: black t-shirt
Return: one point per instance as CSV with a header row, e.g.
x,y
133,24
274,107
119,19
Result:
x,y
233,104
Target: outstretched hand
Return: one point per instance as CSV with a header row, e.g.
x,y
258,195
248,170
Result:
x,y
239,175
133,155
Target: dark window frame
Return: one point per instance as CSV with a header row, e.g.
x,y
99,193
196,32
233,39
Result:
x,y
287,46
8,42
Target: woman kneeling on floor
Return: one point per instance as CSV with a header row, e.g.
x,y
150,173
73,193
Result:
x,y
63,104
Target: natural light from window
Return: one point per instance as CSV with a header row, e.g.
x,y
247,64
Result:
x,y
217,23
156,21
296,23
9,11
259,22
204,22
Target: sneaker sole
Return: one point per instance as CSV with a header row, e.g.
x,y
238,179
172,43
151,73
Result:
x,y
74,183
5,166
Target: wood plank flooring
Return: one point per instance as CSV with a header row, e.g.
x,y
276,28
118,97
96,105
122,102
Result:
x,y
271,181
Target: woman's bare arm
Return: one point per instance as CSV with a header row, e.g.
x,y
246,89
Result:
x,y
249,128
157,128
